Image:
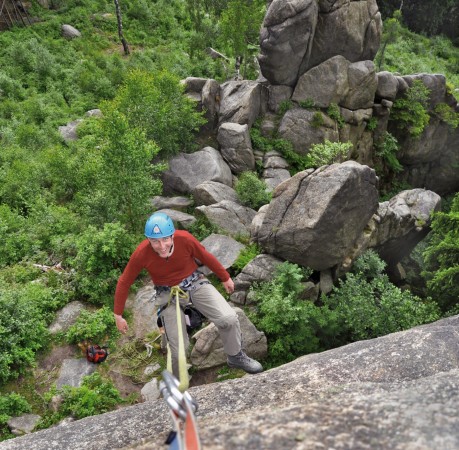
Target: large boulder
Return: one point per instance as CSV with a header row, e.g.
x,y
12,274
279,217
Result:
x,y
349,28
315,218
395,392
298,127
208,350
337,80
240,102
211,192
286,39
402,222
236,147
186,171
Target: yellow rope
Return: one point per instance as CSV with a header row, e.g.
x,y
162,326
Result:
x,y
183,370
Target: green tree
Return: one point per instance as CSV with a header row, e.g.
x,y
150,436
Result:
x,y
240,26
156,104
252,191
442,257
391,32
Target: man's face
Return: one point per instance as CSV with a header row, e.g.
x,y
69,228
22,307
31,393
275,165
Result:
x,y
162,246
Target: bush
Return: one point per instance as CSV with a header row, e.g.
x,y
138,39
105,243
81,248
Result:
x,y
410,111
92,327
156,104
292,326
101,256
442,257
387,149
368,305
327,153
11,405
251,191
245,256
22,330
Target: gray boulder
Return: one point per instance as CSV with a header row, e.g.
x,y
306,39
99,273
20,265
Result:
x,y
224,248
69,131
211,192
261,268
183,219
387,85
337,80
315,218
394,392
66,317
278,94
176,202
208,349
73,371
236,147
186,171
229,216
402,222
23,424
298,127
70,32
349,28
241,102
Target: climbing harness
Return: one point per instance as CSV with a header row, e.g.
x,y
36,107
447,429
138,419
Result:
x,y
182,407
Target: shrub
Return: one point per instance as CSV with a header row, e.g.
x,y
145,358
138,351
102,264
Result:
x,y
251,191
442,257
387,149
11,405
334,113
447,114
410,111
100,258
370,307
245,256
202,228
292,325
328,153
156,104
92,327
22,331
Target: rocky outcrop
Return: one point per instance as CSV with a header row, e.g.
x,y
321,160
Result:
x,y
315,218
186,171
397,391
302,34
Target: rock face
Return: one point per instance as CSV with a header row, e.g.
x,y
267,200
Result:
x,y
301,34
398,391
315,217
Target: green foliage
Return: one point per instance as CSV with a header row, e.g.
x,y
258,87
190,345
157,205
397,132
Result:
x,y
156,104
240,30
447,114
95,396
251,190
22,330
202,228
246,255
410,111
125,182
372,123
317,120
387,149
442,257
328,153
290,324
334,112
100,258
392,29
368,265
309,103
370,307
92,327
11,405
284,106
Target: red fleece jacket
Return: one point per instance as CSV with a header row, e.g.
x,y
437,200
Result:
x,y
166,272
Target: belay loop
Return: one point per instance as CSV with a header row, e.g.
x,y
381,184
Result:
x,y
96,354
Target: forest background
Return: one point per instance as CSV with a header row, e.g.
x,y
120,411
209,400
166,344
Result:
x,y
80,206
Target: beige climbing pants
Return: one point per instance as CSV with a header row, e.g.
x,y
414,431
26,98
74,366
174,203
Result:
x,y
209,302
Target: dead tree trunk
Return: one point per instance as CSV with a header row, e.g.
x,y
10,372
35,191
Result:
x,y
120,28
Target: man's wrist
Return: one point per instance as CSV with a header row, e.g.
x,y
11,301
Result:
x,y
117,315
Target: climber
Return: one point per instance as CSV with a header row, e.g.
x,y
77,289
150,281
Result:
x,y
170,256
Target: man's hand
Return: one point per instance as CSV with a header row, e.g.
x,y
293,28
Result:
x,y
228,285
121,324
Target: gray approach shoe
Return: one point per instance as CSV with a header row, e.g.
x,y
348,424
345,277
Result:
x,y
242,361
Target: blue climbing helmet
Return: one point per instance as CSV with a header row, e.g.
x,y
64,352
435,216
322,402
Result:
x,y
159,225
